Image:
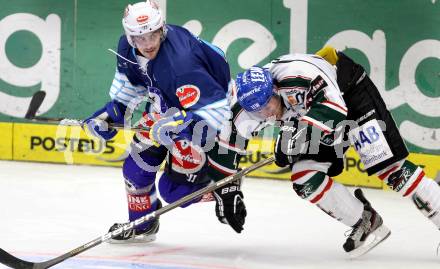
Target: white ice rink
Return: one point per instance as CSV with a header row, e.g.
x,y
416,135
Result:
x,y
47,210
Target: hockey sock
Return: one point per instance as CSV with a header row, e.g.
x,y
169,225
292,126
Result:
x,y
140,203
330,196
409,179
427,199
340,204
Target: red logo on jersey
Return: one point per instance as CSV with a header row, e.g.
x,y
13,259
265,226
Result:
x,y
142,19
188,95
138,203
187,158
147,121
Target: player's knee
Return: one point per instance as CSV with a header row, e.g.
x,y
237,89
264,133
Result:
x,y
170,196
166,188
171,191
310,184
402,177
136,175
140,189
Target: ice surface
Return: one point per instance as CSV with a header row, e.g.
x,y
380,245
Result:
x,y
49,209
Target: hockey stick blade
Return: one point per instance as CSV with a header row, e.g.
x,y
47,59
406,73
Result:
x,y
16,263
36,101
75,122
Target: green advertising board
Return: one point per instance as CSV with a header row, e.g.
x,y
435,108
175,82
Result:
x,y
61,47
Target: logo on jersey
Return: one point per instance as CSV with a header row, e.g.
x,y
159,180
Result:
x,y
317,85
295,96
187,158
188,95
286,128
142,19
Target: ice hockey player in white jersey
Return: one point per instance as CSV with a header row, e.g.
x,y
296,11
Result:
x,y
322,110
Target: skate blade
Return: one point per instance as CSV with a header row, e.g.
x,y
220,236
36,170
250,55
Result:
x,y
380,234
139,239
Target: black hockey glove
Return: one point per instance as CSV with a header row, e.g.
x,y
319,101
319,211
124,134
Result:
x,y
230,208
289,143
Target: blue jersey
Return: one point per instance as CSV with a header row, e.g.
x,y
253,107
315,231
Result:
x,y
191,74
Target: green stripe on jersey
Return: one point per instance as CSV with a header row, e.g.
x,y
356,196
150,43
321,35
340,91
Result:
x,y
324,114
319,98
223,157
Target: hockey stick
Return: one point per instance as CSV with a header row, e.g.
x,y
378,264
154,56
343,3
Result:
x,y
14,262
37,100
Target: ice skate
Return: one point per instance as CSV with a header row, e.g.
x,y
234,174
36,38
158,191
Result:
x,y
368,232
136,235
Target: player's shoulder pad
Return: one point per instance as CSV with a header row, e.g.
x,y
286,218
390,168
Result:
x,y
123,46
125,56
180,47
181,39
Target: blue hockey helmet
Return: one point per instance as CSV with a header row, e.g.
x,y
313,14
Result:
x,y
254,88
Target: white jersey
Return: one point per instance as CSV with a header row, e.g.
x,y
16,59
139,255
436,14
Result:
x,y
310,93
293,74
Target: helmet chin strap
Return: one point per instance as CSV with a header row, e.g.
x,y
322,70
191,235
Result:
x,y
120,56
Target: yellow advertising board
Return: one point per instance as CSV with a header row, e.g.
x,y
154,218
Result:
x,y
430,163
6,141
63,144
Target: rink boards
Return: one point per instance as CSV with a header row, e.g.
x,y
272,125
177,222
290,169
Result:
x,y
71,145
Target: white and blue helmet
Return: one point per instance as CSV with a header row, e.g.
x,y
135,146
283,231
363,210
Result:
x,y
254,88
141,18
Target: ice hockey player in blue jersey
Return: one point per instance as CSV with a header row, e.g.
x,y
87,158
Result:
x,y
186,80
